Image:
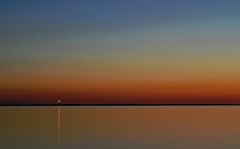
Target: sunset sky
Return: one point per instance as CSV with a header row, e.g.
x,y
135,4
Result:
x,y
120,51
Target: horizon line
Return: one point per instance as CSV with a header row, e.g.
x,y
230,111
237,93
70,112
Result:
x,y
162,105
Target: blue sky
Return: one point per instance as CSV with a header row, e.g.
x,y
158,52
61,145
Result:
x,y
63,43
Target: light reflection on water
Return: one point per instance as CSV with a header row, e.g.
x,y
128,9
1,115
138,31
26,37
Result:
x,y
59,125
119,127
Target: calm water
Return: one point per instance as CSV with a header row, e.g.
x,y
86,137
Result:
x,y
119,127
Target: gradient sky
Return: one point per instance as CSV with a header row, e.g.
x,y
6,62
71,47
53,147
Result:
x,y
125,51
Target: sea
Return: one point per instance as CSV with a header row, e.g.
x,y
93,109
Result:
x,y
119,127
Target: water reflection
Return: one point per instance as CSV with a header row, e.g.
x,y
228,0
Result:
x,y
59,125
119,127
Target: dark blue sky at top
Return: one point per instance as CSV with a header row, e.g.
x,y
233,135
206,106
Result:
x,y
110,12
24,19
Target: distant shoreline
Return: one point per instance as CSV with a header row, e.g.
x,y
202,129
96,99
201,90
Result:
x,y
1,105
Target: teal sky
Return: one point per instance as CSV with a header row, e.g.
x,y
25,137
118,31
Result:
x,y
78,45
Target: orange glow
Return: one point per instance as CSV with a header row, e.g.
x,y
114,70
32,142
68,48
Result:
x,y
129,91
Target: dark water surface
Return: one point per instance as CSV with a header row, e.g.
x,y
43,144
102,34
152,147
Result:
x,y
120,127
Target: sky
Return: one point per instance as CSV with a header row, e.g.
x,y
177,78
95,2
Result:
x,y
112,51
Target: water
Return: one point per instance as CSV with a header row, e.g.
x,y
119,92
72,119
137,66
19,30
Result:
x,y
119,127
